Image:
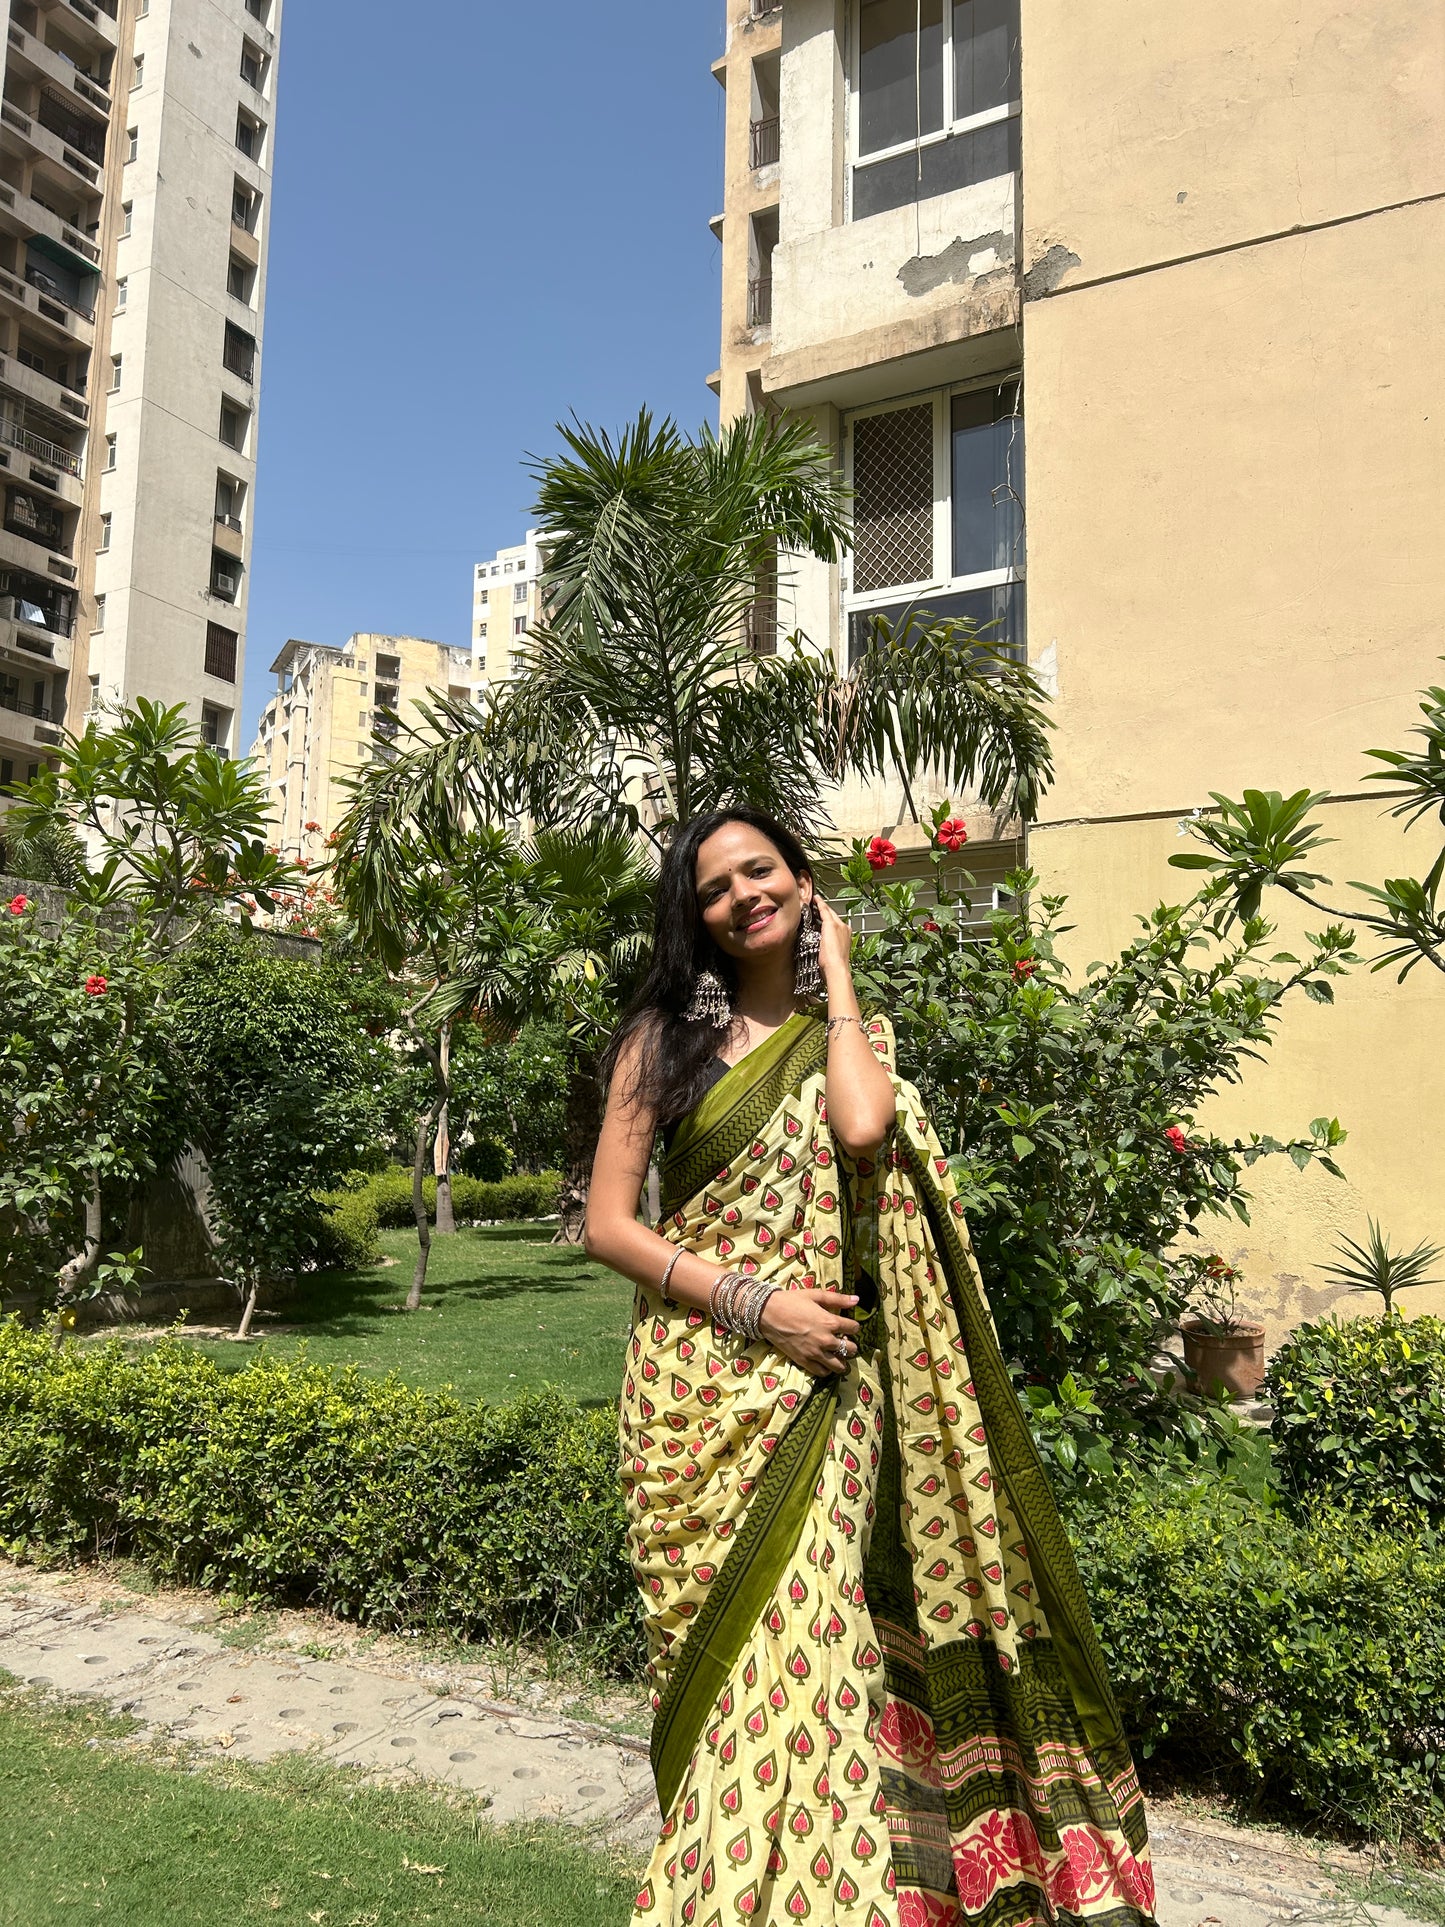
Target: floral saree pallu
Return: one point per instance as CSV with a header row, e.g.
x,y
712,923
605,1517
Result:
x,y
879,1698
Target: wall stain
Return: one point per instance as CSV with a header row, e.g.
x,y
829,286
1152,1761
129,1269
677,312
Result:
x,y
1048,271
925,272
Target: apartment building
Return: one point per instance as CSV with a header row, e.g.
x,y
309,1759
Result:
x,y
335,710
135,155
1124,330
504,607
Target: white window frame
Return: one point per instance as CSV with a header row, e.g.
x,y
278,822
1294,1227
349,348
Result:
x,y
945,583
966,124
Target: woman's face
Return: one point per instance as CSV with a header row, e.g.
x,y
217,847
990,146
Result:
x,y
749,900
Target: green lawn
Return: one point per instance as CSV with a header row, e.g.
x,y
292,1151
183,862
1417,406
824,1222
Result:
x,y
92,1831
504,1309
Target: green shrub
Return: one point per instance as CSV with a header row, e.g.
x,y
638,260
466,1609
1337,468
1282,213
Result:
x,y
1359,1416
346,1240
514,1198
485,1158
377,1502
1303,1664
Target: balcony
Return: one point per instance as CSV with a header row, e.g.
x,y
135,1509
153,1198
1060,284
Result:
x,y
49,64
49,393
764,141
73,327
26,215
228,537
23,552
92,21
39,139
12,700
40,614
760,302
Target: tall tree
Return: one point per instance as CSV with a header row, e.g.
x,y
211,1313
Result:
x,y
642,703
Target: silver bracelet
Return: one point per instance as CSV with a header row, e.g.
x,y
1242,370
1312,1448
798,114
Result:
x,y
666,1278
833,1023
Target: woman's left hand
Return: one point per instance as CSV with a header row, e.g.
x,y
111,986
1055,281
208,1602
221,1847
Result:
x,y
835,940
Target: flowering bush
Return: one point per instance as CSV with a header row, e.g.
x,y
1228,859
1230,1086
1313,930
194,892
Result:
x,y
85,1093
1062,1105
881,854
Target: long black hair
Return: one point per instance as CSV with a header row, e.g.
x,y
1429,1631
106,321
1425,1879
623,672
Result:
x,y
672,1062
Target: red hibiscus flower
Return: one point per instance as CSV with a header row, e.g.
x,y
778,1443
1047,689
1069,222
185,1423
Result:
x,y
881,854
952,833
1024,968
1178,1143
19,905
96,986
930,926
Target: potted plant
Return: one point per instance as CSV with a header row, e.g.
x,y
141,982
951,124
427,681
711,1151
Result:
x,y
1224,1352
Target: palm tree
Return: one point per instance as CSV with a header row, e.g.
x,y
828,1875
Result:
x,y
642,703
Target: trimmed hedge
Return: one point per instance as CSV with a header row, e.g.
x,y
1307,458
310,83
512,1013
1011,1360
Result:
x,y
380,1503
346,1240
1359,1416
477,1199
1301,1664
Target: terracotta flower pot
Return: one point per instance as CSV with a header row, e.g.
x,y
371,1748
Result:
x,y
1230,1361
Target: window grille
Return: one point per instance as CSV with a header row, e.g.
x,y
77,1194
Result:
x,y
893,498
220,652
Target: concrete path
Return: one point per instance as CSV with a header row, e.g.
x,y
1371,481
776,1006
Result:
x,y
372,1709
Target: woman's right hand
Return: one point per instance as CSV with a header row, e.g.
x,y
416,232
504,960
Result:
x,y
810,1327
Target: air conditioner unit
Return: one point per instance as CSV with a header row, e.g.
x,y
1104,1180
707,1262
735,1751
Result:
x,y
225,585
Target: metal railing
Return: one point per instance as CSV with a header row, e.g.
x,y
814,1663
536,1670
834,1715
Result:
x,y
765,141
760,302
14,435
14,701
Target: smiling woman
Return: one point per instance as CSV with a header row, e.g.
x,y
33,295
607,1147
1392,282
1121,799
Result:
x,y
879,1698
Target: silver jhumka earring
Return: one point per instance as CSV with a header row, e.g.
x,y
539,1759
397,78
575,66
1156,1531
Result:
x,y
808,982
709,1003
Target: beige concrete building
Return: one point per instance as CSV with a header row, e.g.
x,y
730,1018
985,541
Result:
x,y
135,145
335,711
504,607
1198,254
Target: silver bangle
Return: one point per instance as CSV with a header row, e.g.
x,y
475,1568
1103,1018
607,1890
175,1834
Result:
x,y
666,1278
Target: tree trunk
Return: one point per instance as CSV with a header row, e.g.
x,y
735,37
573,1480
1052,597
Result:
x,y
424,1131
77,1270
248,1310
583,1122
446,1219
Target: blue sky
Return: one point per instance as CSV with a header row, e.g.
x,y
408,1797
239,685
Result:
x,y
478,225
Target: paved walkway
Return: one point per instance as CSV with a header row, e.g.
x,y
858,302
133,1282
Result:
x,y
161,1663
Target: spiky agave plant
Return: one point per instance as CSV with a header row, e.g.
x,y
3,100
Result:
x,y
1376,1266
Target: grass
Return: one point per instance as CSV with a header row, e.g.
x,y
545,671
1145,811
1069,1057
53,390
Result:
x,y
504,1310
91,1828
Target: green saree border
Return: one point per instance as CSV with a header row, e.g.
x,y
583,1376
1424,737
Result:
x,y
739,1105
1051,1556
770,1533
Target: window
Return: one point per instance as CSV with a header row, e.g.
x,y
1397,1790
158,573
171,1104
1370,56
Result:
x,y
250,135
938,512
935,99
259,9
122,290
132,143
220,652
239,352
99,622
127,215
519,592
240,279
95,693
481,631
109,453
519,626
115,362
234,422
104,542
245,203
229,496
7,772
388,668
253,65
137,71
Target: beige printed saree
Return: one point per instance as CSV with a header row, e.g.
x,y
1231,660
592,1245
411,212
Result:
x,y
879,1698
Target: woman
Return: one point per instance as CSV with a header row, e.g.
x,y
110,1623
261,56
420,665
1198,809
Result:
x,y
879,1699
